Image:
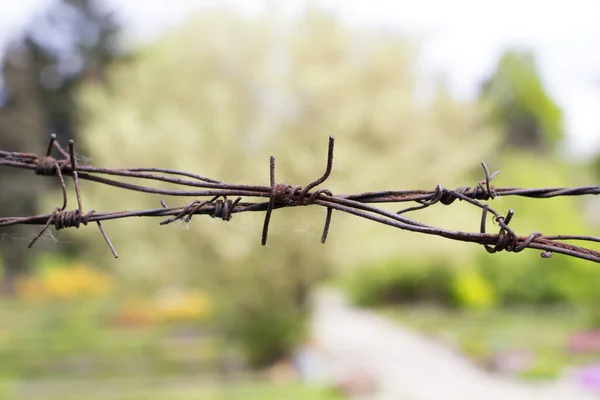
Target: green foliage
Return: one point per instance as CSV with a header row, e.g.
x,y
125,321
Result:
x,y
269,333
526,278
56,88
482,280
544,368
487,335
168,389
520,105
71,339
221,95
472,290
596,166
401,281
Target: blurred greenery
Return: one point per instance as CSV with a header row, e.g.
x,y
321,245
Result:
x,y
402,281
219,96
489,337
506,279
471,290
71,325
520,104
502,305
238,90
143,389
44,64
596,167
526,278
73,321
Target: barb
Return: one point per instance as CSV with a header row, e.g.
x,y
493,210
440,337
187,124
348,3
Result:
x,y
280,195
65,219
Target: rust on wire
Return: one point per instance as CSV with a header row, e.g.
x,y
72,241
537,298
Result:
x,y
279,195
48,166
285,195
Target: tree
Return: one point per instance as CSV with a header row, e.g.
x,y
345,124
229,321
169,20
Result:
x,y
520,105
221,95
72,43
21,126
596,166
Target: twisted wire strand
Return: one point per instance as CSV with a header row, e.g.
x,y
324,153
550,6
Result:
x,y
280,195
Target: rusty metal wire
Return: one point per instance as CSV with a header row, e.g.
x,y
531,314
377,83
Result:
x,y
280,195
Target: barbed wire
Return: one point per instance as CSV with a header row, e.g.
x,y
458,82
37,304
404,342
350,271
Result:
x,y
218,202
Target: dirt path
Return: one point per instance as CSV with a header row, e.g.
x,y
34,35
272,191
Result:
x,y
406,366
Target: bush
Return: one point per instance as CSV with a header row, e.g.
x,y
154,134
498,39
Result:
x,y
472,290
402,281
262,305
268,334
527,279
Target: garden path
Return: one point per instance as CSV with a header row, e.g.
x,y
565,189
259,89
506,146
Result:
x,y
359,345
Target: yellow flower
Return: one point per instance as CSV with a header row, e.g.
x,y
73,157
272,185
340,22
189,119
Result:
x,y
182,306
65,283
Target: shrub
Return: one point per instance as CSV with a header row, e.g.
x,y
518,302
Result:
x,y
402,281
472,290
267,334
527,279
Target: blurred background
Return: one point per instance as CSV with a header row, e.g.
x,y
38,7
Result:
x,y
416,94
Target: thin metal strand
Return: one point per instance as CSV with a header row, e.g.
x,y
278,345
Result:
x,y
284,195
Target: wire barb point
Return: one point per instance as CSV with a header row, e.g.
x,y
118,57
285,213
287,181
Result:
x,y
282,195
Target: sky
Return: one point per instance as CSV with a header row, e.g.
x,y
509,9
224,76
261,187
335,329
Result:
x,y
461,39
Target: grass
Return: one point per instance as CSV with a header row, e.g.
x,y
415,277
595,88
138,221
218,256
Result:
x,y
164,389
482,334
73,350
80,340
